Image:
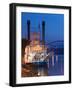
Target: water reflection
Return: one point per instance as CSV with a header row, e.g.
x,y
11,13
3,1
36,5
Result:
x,y
53,66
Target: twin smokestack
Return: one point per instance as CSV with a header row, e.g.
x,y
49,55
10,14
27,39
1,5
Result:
x,y
43,30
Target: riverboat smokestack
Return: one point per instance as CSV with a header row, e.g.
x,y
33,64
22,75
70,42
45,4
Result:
x,y
43,32
28,28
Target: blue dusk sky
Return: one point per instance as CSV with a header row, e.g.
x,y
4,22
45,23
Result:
x,y
54,25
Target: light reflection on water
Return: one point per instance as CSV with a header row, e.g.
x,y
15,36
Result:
x,y
54,66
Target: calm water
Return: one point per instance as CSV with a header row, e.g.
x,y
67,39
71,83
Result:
x,y
54,66
58,68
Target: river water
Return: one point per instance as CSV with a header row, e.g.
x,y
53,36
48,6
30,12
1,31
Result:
x,y
53,67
